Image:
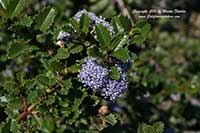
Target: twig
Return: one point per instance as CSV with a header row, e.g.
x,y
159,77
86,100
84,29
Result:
x,y
25,103
123,8
26,110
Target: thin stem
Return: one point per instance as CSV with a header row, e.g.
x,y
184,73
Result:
x,y
123,8
26,110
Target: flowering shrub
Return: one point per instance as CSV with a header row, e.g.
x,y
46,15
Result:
x,y
60,78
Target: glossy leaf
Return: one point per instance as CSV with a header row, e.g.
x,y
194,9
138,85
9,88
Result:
x,y
122,54
62,53
84,23
103,35
45,18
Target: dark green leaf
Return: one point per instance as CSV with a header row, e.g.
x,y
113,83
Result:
x,y
4,3
76,48
11,87
15,7
21,79
114,74
51,99
43,80
122,54
74,24
116,24
48,126
16,104
138,39
125,22
14,126
111,119
142,29
75,108
103,36
156,128
74,68
33,97
115,42
84,23
94,52
16,48
66,85
26,21
45,18
121,24
62,53
53,65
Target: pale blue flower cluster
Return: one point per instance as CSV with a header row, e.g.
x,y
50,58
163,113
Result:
x,y
94,19
93,74
96,76
63,36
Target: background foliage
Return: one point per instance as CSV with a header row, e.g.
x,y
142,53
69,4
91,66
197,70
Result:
x,y
164,79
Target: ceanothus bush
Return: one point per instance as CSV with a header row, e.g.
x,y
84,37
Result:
x,y
57,64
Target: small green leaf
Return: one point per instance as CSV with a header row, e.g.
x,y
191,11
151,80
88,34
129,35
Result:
x,y
142,29
16,48
138,39
155,128
14,126
159,127
4,3
16,104
115,42
26,21
76,48
75,108
103,36
94,52
122,54
15,7
21,79
116,24
51,99
41,38
111,119
119,25
33,97
143,26
53,65
45,18
43,80
125,22
62,53
74,24
74,68
11,87
48,125
66,85
84,23
30,84
114,74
